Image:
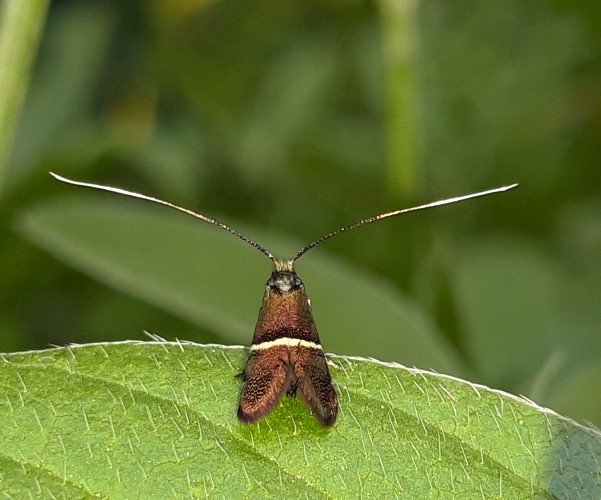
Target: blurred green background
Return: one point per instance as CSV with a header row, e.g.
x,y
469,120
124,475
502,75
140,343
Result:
x,y
287,120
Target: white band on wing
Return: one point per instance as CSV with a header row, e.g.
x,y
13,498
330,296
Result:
x,y
287,342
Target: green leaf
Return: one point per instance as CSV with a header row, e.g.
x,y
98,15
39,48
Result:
x,y
506,297
578,391
20,27
158,419
530,321
212,279
56,115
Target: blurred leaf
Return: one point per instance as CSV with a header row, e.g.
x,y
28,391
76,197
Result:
x,y
292,94
506,301
208,277
158,419
497,101
579,233
578,315
578,392
74,46
526,319
20,27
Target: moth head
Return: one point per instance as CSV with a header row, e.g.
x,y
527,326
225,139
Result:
x,y
283,279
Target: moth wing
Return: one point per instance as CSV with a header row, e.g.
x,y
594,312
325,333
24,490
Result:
x,y
314,384
267,377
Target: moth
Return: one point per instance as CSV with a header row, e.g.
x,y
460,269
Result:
x,y
286,356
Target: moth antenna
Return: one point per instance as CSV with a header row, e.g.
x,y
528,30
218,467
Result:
x,y
202,217
375,218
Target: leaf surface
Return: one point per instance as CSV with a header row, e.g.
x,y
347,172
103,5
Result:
x,y
158,419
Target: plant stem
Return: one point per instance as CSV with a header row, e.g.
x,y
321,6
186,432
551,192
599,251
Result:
x,y
399,34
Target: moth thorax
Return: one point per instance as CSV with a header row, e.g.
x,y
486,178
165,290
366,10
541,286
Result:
x,y
284,281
